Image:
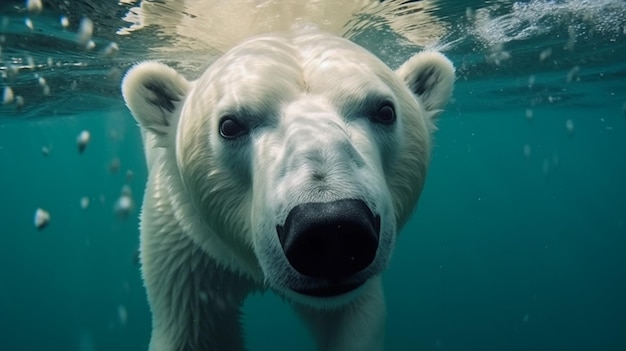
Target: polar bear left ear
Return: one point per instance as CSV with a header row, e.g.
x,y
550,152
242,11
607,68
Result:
x,y
430,76
153,92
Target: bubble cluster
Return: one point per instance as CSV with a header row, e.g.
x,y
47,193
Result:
x,y
534,18
42,83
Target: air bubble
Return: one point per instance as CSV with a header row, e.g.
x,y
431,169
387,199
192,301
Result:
x,y
7,96
498,56
129,175
114,165
84,202
64,21
122,314
85,31
34,5
42,218
529,114
12,71
29,23
125,204
527,151
114,74
571,39
569,126
19,101
545,54
531,81
546,167
30,62
572,75
83,140
553,99
111,50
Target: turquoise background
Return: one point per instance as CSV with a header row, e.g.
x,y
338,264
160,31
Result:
x,y
506,251
498,256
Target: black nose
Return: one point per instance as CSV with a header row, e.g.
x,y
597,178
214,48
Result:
x,y
330,240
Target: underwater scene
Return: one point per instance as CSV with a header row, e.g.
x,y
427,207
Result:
x,y
518,241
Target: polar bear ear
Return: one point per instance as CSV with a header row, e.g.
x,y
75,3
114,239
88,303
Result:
x,y
153,92
430,76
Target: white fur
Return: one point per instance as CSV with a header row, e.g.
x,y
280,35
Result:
x,y
208,225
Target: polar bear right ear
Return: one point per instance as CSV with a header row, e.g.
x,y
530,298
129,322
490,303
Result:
x,y
430,76
153,92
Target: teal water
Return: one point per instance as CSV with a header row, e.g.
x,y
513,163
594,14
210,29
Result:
x,y
518,243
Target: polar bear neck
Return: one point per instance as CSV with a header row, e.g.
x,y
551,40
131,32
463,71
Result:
x,y
173,218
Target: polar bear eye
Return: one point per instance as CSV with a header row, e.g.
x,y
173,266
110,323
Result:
x,y
230,128
385,115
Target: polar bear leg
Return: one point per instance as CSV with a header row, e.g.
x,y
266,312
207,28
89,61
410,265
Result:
x,y
358,326
195,303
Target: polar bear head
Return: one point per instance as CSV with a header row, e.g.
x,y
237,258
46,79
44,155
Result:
x,y
303,154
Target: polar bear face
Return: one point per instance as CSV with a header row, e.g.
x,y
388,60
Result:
x,y
302,155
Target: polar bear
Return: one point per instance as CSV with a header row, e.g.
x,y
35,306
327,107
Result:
x,y
289,165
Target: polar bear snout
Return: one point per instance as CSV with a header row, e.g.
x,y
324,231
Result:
x,y
331,242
